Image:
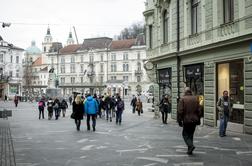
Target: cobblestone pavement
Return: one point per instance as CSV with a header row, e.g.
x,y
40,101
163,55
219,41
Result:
x,y
139,141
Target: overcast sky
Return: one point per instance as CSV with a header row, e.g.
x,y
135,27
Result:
x,y
91,18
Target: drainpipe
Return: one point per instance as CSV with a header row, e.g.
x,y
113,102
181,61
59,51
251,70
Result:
x,y
178,49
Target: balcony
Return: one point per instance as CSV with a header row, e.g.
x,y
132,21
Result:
x,y
138,72
90,73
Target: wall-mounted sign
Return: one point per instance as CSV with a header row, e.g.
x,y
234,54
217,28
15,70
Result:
x,y
164,76
148,65
193,71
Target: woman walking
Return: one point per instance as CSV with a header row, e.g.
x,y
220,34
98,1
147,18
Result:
x,y
64,106
165,108
119,110
78,110
50,108
139,106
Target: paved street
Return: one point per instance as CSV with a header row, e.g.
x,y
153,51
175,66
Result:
x,y
139,141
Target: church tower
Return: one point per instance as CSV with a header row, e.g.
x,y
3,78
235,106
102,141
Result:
x,y
70,39
47,41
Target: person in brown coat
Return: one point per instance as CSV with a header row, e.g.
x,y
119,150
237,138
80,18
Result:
x,y
139,106
188,117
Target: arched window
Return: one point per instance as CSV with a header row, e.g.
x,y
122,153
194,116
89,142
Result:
x,y
165,26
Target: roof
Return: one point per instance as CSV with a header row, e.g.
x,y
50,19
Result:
x,y
45,69
122,44
55,47
70,48
96,43
37,62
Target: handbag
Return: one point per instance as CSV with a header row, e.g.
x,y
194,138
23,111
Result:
x,y
73,116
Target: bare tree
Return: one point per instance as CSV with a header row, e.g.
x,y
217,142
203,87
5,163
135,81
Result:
x,y
132,31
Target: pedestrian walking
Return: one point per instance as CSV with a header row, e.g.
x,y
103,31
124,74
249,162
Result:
x,y
41,106
56,107
63,106
50,108
78,110
139,106
113,105
119,110
133,104
224,106
16,100
165,108
107,103
188,117
70,100
91,109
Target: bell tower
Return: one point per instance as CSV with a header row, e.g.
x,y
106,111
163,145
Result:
x,y
47,41
70,39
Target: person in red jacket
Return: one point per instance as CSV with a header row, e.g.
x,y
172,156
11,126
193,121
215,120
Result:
x,y
188,117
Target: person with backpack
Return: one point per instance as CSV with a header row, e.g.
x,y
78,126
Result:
x,y
50,108
63,106
119,110
41,106
56,108
107,102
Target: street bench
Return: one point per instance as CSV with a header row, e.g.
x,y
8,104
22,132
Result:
x,y
5,113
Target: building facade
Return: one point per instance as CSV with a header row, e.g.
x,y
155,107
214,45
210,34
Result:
x,y
10,70
101,65
203,44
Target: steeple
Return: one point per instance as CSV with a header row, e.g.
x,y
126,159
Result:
x,y
70,39
47,40
48,31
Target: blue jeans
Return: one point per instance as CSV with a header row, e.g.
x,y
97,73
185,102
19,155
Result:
x,y
223,125
119,116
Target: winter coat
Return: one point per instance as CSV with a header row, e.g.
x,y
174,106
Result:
x,y
63,104
220,106
78,110
165,105
50,105
120,105
189,110
91,105
133,102
139,106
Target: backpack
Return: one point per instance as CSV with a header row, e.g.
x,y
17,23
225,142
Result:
x,y
41,104
120,105
56,106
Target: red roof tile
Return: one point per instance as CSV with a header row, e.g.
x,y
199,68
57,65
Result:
x,y
37,62
70,48
122,44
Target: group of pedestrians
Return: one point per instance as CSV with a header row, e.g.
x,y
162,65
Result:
x,y
55,106
94,106
137,105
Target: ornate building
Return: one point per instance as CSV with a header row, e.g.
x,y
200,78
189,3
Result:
x,y
203,44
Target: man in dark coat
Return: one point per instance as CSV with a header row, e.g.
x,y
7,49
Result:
x,y
188,117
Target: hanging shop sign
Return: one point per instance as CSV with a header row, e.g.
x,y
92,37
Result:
x,y
164,76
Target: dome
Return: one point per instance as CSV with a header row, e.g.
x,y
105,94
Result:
x,y
33,49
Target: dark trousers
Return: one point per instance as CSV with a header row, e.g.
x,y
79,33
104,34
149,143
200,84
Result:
x,y
78,123
188,132
119,117
57,113
164,117
41,111
133,109
93,116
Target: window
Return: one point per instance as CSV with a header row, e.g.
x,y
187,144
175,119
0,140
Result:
x,y
82,68
62,68
91,58
113,77
44,49
102,69
150,36
138,79
62,80
195,9
72,80
125,67
165,26
82,58
101,79
11,58
51,60
17,59
125,56
125,78
62,59
113,67
81,79
72,59
17,73
228,10
113,57
1,58
138,55
72,68
138,66
101,57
